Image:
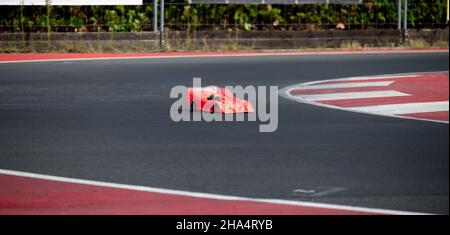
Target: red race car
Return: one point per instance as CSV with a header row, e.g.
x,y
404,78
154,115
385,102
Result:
x,y
216,100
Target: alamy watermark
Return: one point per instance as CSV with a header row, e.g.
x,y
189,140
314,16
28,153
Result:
x,y
238,103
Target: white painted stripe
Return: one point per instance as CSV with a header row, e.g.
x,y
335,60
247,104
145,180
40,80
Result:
x,y
350,95
380,77
205,195
370,77
407,108
345,85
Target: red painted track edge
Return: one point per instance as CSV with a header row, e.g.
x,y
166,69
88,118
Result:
x,y
80,56
28,193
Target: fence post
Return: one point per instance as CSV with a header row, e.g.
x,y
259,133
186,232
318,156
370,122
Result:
x,y
399,21
155,15
161,26
399,15
405,22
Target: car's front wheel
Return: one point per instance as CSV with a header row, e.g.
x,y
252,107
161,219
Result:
x,y
192,106
214,109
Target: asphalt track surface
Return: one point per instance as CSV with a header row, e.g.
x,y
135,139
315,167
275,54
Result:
x,y
108,120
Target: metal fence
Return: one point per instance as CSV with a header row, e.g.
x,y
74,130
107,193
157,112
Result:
x,y
179,15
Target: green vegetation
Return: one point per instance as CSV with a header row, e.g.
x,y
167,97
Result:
x,y
182,16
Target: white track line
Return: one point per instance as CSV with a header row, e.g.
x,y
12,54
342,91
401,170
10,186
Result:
x,y
369,77
407,108
205,195
351,95
231,55
380,77
345,85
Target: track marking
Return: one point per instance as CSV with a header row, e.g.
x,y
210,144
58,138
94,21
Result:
x,y
320,191
328,191
346,85
350,95
406,75
286,93
206,195
304,191
407,108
